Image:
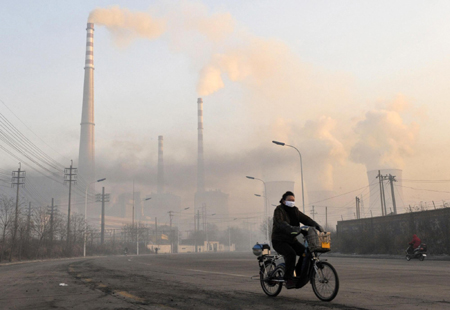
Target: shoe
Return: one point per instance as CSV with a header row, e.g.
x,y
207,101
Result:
x,y
290,283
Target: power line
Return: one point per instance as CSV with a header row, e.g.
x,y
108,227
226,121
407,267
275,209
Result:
x,y
421,189
31,130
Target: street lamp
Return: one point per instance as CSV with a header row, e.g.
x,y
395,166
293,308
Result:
x,y
137,235
301,168
265,204
85,212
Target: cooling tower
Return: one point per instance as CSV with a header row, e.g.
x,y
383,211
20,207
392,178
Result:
x,y
160,185
382,192
86,157
200,162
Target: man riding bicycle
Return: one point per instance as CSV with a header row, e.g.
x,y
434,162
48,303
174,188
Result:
x,y
286,226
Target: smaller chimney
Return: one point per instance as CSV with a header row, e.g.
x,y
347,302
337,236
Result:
x,y
160,186
200,162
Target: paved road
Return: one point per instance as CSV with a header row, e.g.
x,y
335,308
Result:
x,y
215,281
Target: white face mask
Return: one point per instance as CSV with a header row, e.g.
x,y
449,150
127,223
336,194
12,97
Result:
x,y
289,203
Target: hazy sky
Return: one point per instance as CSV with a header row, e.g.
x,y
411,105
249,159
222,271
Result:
x,y
355,85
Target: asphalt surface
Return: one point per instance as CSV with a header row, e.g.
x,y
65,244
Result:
x,y
215,281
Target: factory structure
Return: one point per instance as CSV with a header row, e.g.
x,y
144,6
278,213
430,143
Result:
x,y
158,205
161,202
207,203
151,207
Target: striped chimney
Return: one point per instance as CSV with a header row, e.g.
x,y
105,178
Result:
x,y
86,157
200,162
160,185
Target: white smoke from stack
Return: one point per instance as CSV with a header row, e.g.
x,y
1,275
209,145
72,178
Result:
x,y
384,138
126,25
235,54
256,62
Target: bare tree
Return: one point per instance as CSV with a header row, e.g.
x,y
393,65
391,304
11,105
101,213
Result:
x,y
6,217
40,228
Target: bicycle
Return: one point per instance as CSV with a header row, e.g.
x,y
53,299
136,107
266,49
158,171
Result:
x,y
321,274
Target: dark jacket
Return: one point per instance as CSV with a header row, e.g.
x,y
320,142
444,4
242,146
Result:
x,y
281,230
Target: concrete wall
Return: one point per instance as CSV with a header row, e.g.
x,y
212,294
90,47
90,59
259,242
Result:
x,y
391,234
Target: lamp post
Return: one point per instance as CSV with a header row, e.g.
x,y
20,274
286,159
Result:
x,y
137,235
85,213
265,204
301,168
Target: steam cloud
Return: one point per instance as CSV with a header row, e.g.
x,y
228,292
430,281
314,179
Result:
x,y
320,148
269,72
126,25
235,54
384,139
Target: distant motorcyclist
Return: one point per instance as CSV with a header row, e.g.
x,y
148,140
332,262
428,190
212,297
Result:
x,y
415,243
286,223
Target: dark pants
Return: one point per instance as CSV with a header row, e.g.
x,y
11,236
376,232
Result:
x,y
290,250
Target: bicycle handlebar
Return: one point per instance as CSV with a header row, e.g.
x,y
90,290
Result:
x,y
303,230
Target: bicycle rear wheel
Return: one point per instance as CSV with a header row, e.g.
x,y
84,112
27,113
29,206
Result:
x,y
270,278
325,282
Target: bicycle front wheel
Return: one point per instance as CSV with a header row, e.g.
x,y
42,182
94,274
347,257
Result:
x,y
270,277
325,282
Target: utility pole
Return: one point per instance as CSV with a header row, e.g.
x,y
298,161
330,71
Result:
x,y
313,213
326,218
383,178
358,211
171,234
102,198
381,191
52,210
204,217
156,233
132,220
114,238
392,180
197,228
18,179
361,205
29,220
69,177
229,238
198,220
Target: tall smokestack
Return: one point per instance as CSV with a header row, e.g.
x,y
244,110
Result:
x,y
200,163
160,186
86,157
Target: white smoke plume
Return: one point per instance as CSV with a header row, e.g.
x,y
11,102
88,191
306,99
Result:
x,y
384,138
126,25
231,53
